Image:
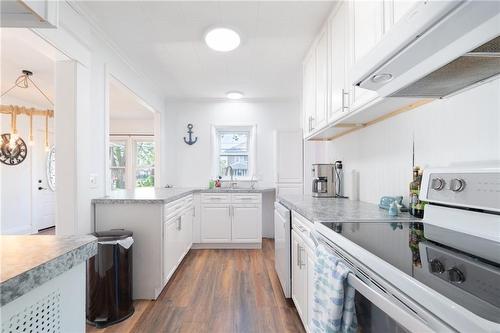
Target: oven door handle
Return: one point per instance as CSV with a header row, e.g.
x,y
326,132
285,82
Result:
x,y
398,312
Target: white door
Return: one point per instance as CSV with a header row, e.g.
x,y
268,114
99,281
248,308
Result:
x,y
247,223
366,30
299,277
321,80
289,159
282,247
215,224
187,230
43,202
309,93
171,247
339,48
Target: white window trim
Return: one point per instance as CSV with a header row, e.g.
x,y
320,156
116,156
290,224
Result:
x,y
131,160
252,149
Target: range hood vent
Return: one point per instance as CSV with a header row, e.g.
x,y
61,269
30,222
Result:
x,y
473,67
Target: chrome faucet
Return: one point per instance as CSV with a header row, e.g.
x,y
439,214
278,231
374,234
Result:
x,y
230,171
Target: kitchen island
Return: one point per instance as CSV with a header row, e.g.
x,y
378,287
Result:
x,y
168,222
42,282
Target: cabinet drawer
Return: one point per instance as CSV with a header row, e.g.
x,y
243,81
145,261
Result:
x,y
301,224
246,198
215,198
173,208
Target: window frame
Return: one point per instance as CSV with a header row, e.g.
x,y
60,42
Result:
x,y
216,131
131,165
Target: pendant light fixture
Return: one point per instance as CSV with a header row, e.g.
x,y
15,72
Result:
x,y
24,81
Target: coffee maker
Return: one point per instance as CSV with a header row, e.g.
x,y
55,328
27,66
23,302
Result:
x,y
323,184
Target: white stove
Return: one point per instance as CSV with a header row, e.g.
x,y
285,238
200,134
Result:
x,y
461,253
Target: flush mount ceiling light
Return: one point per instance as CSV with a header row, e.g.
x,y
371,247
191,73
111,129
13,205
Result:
x,y
222,39
234,95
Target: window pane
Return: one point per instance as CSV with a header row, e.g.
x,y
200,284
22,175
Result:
x,y
233,151
117,178
117,154
233,143
145,152
145,177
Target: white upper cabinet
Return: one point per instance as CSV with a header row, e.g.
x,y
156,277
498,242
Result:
x,y
309,92
321,80
395,10
288,152
367,27
339,56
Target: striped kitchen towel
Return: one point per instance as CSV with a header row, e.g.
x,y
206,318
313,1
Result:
x,y
333,306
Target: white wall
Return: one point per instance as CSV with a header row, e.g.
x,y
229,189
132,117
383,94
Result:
x,y
193,162
462,128
97,59
131,126
16,181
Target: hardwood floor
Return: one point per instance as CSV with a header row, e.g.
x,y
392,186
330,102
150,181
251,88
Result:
x,y
218,291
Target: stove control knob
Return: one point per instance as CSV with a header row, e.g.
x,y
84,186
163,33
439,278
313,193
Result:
x,y
455,275
437,184
457,185
436,266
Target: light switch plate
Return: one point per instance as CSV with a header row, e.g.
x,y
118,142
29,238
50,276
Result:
x,y
93,180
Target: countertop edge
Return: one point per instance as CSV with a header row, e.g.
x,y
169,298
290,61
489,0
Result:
x,y
176,196
22,283
290,205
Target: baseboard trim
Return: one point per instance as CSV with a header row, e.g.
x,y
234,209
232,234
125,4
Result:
x,y
25,230
222,246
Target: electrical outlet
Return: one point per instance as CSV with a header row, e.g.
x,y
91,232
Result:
x,y
93,180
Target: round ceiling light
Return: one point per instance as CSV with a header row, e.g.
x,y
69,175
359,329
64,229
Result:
x,y
234,95
222,39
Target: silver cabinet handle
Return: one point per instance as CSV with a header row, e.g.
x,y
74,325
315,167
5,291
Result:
x,y
301,264
298,255
344,104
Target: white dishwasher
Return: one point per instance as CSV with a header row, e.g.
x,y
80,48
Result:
x,y
282,247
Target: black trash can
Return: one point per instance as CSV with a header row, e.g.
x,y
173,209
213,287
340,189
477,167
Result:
x,y
109,279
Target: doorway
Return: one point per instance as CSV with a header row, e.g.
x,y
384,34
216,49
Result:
x,y
133,141
27,186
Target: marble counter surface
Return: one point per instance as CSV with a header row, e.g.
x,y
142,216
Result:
x,y
28,261
165,195
340,210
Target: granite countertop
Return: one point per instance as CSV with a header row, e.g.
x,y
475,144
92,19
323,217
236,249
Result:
x,y
28,261
166,195
340,210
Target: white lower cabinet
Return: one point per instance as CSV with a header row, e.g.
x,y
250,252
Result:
x,y
245,227
237,220
215,223
177,235
299,276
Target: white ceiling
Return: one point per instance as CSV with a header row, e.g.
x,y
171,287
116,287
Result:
x,y
124,104
22,49
164,40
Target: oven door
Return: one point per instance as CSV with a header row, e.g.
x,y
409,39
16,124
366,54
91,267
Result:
x,y
379,311
380,307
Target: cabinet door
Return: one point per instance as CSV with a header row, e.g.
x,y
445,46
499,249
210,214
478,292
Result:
x,y
309,92
293,189
289,159
367,19
187,230
215,224
310,283
339,62
299,276
247,224
171,247
321,80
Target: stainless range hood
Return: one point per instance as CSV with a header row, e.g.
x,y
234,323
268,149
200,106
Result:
x,y
472,68
439,48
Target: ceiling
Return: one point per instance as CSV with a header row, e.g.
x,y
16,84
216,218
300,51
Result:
x,y
22,49
164,40
124,104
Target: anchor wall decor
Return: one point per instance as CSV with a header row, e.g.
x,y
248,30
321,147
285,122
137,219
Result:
x,y
190,133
